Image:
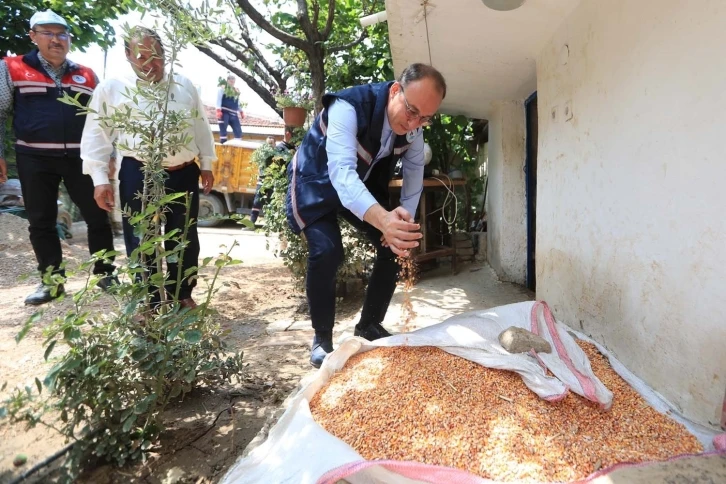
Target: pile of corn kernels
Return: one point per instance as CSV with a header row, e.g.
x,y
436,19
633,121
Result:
x,y
425,405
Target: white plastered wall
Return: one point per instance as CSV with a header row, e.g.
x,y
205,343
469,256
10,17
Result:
x,y
506,203
631,229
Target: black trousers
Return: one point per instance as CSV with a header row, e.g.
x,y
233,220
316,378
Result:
x,y
325,256
40,178
185,180
260,198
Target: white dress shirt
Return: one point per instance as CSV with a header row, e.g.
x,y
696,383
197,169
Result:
x,y
341,146
97,141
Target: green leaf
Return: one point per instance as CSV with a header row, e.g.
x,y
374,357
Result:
x,y
176,389
140,354
49,349
189,377
39,385
193,336
91,370
129,423
28,324
173,334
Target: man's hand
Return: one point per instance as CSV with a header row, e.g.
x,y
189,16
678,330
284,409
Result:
x,y
103,194
219,114
207,181
399,231
241,114
3,171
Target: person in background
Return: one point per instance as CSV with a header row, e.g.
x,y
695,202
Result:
x,y
145,53
260,196
47,147
228,111
343,168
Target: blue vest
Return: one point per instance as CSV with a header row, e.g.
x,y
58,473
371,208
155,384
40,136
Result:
x,y
311,195
44,125
230,104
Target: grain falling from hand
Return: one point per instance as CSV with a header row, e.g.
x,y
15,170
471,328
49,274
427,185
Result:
x,y
407,279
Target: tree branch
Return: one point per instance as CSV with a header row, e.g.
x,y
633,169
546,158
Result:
x,y
253,83
338,48
329,21
303,16
250,61
262,22
316,13
252,46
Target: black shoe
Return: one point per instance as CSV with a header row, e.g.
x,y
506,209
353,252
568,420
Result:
x,y
371,332
44,294
321,347
108,282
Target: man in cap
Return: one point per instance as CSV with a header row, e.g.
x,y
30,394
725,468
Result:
x,y
48,136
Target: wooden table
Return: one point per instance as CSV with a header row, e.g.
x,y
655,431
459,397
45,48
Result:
x,y
429,249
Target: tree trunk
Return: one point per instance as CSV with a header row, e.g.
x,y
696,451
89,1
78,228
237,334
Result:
x,y
317,75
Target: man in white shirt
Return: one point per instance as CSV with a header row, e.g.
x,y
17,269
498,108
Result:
x,y
145,53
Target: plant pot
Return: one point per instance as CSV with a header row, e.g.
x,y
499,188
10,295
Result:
x,y
294,116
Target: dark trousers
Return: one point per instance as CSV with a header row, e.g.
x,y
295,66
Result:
x,y
260,198
40,178
185,180
325,256
231,120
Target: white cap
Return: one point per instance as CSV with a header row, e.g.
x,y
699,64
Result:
x,y
47,18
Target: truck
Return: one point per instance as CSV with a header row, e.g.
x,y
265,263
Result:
x,y
235,183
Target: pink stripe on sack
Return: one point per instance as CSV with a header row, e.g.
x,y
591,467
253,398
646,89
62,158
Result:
x,y
588,386
719,442
412,470
627,465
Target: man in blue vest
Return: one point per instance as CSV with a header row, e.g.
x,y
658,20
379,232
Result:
x,y
343,168
228,111
47,146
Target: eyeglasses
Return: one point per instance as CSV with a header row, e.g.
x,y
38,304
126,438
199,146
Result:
x,y
63,36
413,114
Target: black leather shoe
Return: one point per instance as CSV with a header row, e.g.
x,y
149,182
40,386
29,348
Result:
x,y
108,282
321,348
371,332
44,294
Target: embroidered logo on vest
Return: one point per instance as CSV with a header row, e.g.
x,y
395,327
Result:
x,y
79,79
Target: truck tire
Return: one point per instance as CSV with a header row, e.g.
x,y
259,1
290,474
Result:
x,y
65,219
211,208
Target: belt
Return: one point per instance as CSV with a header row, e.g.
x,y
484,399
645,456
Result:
x,y
179,167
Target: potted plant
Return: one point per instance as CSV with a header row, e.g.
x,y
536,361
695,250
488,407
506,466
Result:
x,y
295,107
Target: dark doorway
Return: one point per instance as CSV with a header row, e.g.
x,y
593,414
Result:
x,y
530,169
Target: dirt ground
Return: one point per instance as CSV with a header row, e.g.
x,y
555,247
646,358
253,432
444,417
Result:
x,y
252,296
268,320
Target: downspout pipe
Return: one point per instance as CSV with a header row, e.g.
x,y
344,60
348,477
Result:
x,y
369,20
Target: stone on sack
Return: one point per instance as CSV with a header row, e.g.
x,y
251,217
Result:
x,y
519,340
